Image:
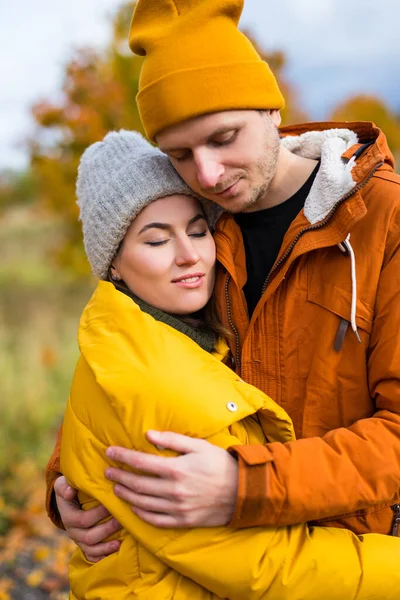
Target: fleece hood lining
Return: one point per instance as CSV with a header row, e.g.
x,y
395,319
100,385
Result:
x,y
334,179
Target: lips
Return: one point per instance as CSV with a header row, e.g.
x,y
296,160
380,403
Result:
x,y
188,278
190,281
230,190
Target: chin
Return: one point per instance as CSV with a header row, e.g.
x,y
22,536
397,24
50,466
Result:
x,y
189,308
238,206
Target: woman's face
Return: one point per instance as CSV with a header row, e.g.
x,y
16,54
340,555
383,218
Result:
x,y
168,256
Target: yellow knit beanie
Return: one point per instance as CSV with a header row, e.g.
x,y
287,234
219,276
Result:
x,y
197,62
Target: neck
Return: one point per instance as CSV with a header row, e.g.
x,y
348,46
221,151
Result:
x,y
291,174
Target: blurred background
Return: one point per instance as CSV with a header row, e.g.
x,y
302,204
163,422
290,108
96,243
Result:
x,y
67,78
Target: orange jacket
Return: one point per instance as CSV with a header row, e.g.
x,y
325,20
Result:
x,y
342,394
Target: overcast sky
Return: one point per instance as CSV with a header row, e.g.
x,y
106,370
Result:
x,y
334,48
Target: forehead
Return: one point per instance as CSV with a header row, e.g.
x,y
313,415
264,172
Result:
x,y
197,130
169,209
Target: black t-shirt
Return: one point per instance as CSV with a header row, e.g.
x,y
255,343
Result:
x,y
263,232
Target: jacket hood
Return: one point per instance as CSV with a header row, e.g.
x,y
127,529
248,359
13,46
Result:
x,y
366,132
341,149
334,178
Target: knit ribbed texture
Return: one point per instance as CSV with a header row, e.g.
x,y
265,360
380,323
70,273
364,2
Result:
x,y
197,62
203,336
117,178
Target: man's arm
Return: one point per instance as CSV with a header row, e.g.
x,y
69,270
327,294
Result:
x,y
52,474
349,468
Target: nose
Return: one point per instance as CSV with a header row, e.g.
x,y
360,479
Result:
x,y
186,253
209,170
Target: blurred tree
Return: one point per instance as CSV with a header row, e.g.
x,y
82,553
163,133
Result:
x,y
371,108
293,111
16,188
98,95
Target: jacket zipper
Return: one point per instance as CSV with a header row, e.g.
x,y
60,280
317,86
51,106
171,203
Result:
x,y
319,225
288,252
230,320
396,520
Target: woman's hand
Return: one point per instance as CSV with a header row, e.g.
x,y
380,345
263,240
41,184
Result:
x,y
196,489
82,525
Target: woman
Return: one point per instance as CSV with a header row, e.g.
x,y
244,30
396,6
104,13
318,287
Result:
x,y
152,358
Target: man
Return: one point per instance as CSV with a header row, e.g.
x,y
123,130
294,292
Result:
x,y
309,289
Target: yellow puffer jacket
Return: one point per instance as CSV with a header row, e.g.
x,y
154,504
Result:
x,y
135,374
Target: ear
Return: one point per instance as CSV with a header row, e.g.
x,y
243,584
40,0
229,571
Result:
x,y
275,116
115,275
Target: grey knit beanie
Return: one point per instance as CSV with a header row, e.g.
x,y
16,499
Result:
x,y
117,178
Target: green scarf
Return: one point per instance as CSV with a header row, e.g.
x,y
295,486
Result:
x,y
203,336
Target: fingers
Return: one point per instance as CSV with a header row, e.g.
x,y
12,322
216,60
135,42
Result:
x,y
73,516
163,521
81,527
91,517
96,553
63,489
158,520
150,503
93,535
182,444
140,484
157,465
141,461
91,541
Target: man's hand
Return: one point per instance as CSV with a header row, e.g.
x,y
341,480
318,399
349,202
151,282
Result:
x,y
196,489
80,525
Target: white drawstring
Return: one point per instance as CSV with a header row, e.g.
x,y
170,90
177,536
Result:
x,y
345,245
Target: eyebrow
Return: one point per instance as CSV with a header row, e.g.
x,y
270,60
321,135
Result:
x,y
167,227
212,135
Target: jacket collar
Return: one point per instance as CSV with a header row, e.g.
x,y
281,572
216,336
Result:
x,y
202,335
334,178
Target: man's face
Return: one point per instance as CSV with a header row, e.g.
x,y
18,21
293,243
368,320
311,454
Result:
x,y
228,157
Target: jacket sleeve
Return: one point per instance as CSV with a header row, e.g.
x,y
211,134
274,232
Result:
x,y
52,473
310,479
287,563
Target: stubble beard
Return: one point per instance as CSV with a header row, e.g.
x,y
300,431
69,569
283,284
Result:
x,y
265,168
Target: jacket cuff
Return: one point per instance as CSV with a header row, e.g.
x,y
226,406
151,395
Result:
x,y
251,505
53,473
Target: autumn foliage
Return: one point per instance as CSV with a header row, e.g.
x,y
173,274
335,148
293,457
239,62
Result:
x,y
34,556
98,95
371,108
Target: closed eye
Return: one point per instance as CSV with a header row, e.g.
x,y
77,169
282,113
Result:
x,y
161,243
181,158
200,234
224,141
